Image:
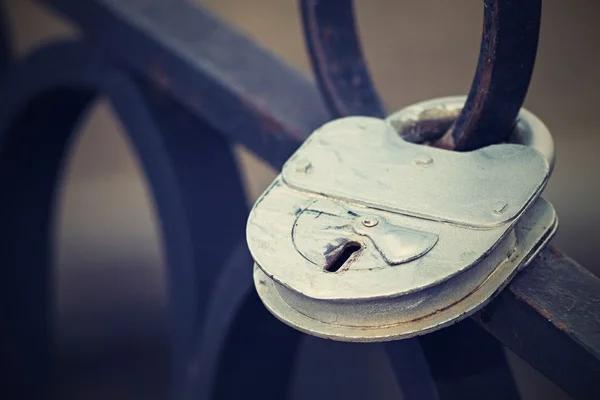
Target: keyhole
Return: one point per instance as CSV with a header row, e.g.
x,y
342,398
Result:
x,y
343,256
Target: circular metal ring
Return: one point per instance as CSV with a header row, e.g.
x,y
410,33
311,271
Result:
x,y
529,129
506,59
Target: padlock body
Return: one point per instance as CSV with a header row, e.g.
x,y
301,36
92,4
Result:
x,y
362,233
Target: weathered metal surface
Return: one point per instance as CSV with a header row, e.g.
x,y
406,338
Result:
x,y
331,37
367,237
418,181
386,316
45,95
550,317
217,73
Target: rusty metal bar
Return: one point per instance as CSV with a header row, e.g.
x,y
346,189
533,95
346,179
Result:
x,y
550,316
340,69
506,59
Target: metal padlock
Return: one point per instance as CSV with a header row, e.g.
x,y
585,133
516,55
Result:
x,y
366,237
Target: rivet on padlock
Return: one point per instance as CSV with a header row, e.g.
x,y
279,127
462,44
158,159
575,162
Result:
x,y
366,237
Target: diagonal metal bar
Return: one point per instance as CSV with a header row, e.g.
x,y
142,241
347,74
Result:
x,y
216,72
550,316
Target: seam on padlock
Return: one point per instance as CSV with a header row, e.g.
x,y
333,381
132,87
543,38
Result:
x,y
282,191
464,307
297,175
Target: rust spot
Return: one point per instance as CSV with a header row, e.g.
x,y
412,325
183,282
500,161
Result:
x,y
158,74
472,113
558,255
485,315
425,129
563,327
321,62
447,141
547,314
195,102
334,67
327,33
268,124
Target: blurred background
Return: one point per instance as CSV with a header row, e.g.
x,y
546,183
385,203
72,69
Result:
x,y
109,266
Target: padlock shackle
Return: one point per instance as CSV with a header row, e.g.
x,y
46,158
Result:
x,y
529,130
505,65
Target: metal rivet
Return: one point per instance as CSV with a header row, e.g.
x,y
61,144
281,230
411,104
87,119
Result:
x,y
370,222
424,161
304,167
499,207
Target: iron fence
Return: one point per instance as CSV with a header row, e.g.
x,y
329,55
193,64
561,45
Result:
x,y
186,85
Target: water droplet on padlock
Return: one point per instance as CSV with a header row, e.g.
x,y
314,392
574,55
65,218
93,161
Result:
x,y
423,161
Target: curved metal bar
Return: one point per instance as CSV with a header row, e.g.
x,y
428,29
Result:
x,y
215,211
28,171
44,96
231,289
338,64
259,355
506,60
241,341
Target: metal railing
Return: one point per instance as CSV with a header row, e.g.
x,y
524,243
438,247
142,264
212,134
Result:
x,y
186,86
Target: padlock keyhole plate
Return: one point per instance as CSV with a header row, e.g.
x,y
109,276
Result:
x,y
343,256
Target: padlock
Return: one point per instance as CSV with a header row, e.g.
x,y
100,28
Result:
x,y
367,237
